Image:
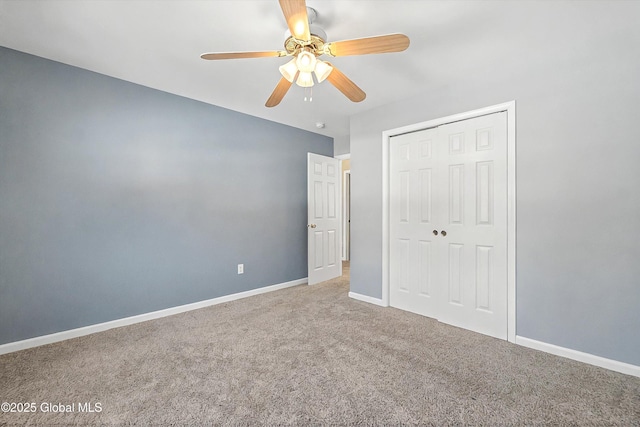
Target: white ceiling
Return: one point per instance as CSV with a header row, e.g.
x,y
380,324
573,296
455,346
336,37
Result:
x,y
158,44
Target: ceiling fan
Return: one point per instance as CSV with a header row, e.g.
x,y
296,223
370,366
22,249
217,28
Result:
x,y
305,44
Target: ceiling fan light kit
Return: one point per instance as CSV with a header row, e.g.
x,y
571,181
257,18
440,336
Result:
x,y
289,70
305,42
304,79
306,63
322,71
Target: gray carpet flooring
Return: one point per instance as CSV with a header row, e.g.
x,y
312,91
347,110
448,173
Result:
x,y
308,355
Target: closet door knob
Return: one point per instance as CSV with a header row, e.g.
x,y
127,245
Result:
x,y
435,232
444,233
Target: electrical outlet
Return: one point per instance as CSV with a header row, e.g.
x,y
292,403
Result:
x,y
240,268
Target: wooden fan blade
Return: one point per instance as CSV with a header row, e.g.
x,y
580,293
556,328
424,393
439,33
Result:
x,y
279,92
240,55
295,12
346,86
367,45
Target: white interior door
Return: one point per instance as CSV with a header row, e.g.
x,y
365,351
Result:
x,y
323,218
448,223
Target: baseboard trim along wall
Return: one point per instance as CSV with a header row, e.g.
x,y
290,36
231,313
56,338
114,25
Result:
x,y
366,298
591,359
92,329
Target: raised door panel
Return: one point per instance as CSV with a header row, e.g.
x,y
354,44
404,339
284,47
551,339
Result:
x,y
425,268
456,194
455,274
331,248
484,278
332,198
318,197
485,189
318,245
425,194
403,270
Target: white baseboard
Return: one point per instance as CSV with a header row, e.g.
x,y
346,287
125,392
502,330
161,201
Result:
x,y
92,329
591,359
366,298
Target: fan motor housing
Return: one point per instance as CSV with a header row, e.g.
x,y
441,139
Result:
x,y
315,45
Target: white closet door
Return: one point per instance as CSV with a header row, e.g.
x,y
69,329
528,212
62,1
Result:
x,y
451,180
414,271
474,162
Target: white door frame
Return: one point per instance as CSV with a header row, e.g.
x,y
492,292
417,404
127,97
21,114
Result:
x,y
510,108
345,243
346,214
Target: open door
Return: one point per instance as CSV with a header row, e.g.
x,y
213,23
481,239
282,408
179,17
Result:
x,y
323,218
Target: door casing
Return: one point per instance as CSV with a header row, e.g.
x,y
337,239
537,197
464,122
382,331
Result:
x,y
346,214
510,109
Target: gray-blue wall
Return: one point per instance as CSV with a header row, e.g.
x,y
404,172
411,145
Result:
x,y
578,179
117,199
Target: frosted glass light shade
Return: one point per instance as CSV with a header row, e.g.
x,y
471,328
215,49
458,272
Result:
x,y
322,70
305,79
306,62
289,70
